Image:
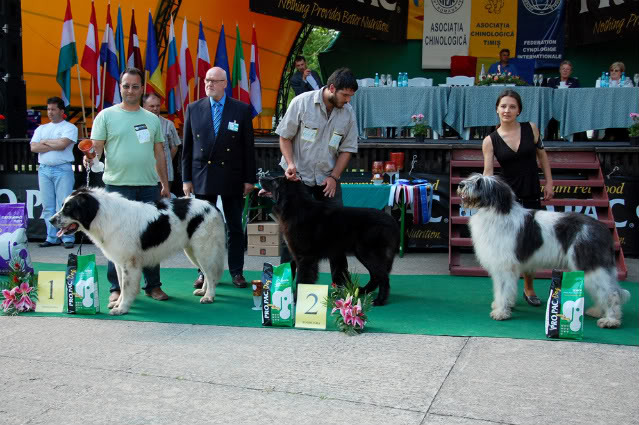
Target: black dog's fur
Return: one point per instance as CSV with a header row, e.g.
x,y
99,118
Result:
x,y
314,231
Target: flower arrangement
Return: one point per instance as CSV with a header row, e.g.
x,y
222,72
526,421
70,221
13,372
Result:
x,y
633,130
19,293
506,78
350,309
420,129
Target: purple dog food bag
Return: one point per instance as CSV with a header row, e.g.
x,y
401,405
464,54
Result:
x,y
13,237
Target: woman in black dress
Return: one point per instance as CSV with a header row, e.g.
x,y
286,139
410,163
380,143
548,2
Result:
x,y
517,147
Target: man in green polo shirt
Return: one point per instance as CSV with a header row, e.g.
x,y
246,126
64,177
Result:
x,y
132,139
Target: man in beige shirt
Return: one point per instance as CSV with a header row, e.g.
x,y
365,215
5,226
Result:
x,y
318,135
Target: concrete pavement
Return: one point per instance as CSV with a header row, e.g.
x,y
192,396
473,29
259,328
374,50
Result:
x,y
83,371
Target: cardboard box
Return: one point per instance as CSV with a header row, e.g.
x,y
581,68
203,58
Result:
x,y
263,251
264,240
263,228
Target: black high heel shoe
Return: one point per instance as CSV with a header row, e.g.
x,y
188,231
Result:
x,y
532,300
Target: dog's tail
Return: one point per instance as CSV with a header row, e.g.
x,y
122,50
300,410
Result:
x,y
624,295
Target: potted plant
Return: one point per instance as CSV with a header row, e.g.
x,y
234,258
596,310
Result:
x,y
501,80
420,129
633,130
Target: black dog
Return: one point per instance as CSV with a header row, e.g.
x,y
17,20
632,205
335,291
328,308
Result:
x,y
314,231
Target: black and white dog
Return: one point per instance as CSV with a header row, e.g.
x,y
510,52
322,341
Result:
x,y
314,231
510,240
134,235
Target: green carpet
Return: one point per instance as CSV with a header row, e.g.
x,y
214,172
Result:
x,y
430,305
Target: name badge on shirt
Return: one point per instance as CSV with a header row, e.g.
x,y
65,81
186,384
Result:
x,y
233,126
309,134
143,133
336,139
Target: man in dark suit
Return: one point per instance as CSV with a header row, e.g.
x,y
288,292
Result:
x,y
218,158
304,79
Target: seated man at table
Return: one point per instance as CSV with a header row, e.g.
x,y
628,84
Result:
x,y
503,66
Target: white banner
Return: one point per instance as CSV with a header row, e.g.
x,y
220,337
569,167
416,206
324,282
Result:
x,y
446,32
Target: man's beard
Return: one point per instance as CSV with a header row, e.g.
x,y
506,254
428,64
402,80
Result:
x,y
333,101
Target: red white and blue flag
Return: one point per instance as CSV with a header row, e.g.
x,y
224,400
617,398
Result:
x,y
91,57
109,62
202,64
173,99
186,68
255,87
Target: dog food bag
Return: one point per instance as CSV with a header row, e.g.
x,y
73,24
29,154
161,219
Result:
x,y
565,309
278,290
13,237
82,285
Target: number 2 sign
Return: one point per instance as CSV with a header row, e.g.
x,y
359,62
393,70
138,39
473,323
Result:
x,y
310,312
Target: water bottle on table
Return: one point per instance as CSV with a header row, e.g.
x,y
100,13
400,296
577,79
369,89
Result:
x,y
376,79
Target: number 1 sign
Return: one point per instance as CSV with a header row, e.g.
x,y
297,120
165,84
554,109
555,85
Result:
x,y
50,292
310,312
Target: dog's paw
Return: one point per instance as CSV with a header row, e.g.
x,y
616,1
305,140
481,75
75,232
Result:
x,y
594,312
500,314
117,311
207,300
377,302
606,322
112,304
199,292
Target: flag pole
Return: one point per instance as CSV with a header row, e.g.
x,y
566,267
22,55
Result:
x,y
92,100
84,115
103,88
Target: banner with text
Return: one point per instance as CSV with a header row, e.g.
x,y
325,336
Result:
x,y
446,27
594,21
540,32
382,19
493,26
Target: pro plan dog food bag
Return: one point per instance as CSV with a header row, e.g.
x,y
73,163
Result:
x,y
565,309
82,285
278,290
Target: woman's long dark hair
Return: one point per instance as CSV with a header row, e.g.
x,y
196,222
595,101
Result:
x,y
509,93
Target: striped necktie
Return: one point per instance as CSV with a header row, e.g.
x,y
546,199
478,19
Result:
x,y
217,117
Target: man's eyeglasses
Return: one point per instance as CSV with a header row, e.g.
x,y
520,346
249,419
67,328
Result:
x,y
615,70
213,81
133,87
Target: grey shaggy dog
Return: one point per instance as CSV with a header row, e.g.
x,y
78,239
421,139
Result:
x,y
510,240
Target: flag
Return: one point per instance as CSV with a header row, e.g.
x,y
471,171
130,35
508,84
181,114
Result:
x,y
154,82
186,67
134,59
202,64
173,102
119,43
109,62
68,55
222,60
255,88
240,80
91,56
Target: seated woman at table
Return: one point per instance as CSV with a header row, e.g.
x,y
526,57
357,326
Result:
x,y
565,72
517,147
615,70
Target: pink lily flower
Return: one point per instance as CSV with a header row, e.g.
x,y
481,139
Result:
x,y
634,115
343,305
9,298
25,304
24,288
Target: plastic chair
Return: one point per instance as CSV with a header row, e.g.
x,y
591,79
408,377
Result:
x,y
460,80
420,82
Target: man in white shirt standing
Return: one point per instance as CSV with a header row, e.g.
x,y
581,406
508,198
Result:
x,y
53,142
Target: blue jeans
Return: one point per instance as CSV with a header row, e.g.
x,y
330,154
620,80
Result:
x,y
56,183
142,194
